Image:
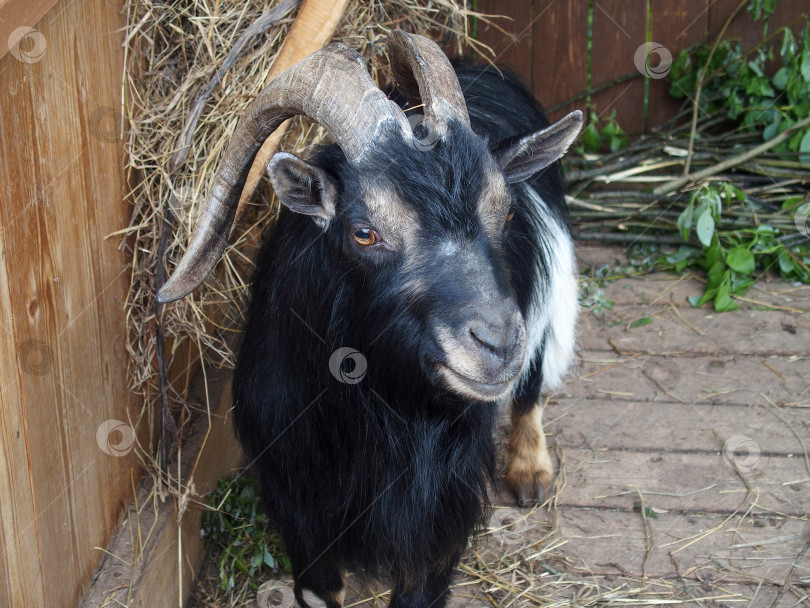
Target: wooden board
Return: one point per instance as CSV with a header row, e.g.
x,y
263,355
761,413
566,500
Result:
x,y
615,542
703,380
554,56
684,427
15,14
511,38
560,59
675,26
62,285
593,479
153,560
763,333
619,28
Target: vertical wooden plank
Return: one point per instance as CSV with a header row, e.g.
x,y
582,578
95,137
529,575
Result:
x,y
62,284
512,47
16,14
19,567
560,52
619,28
743,28
676,26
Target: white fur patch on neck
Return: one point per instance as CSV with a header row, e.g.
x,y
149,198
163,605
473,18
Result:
x,y
552,315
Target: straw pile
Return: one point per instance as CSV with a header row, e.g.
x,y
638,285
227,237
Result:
x,y
174,50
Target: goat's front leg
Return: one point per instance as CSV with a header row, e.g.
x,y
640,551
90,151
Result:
x,y
318,580
530,469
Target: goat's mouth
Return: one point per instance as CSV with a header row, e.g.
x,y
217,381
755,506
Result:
x,y
473,388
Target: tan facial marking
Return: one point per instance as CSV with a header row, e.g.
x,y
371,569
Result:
x,y
530,469
494,201
396,223
465,360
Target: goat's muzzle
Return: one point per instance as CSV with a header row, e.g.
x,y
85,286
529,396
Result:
x,y
483,350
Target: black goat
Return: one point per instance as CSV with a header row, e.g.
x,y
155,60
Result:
x,y
435,283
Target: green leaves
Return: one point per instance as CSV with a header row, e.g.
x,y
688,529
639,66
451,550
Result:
x,y
761,8
590,138
804,67
236,525
741,260
781,78
705,228
612,135
706,205
738,83
731,258
728,233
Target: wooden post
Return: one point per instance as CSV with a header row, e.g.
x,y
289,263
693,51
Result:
x,y
312,29
65,465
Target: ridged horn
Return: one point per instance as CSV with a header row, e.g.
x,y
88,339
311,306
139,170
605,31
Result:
x,y
330,87
422,71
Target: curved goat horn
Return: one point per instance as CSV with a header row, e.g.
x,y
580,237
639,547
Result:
x,y
332,88
422,71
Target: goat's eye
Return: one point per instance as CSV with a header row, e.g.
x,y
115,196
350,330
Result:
x,y
509,217
366,237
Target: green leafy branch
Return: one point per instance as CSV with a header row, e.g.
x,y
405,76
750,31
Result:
x,y
236,525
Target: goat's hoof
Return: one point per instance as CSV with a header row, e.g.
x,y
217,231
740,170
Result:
x,y
531,487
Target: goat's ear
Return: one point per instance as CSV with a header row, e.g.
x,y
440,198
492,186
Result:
x,y
532,153
303,188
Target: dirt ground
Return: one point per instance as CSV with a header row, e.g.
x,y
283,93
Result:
x,y
681,441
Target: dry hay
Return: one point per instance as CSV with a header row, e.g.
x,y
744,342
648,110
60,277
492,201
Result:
x,y
174,49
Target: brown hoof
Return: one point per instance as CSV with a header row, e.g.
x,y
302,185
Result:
x,y
530,469
530,487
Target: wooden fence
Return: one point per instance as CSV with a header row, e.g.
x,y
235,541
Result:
x,y
546,43
66,465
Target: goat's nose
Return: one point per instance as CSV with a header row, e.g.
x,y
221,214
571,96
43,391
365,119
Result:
x,y
494,337
500,339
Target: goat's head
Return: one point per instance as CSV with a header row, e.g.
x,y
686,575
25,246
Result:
x,y
421,213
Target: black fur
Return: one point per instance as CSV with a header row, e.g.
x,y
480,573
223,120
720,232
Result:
x,y
387,476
